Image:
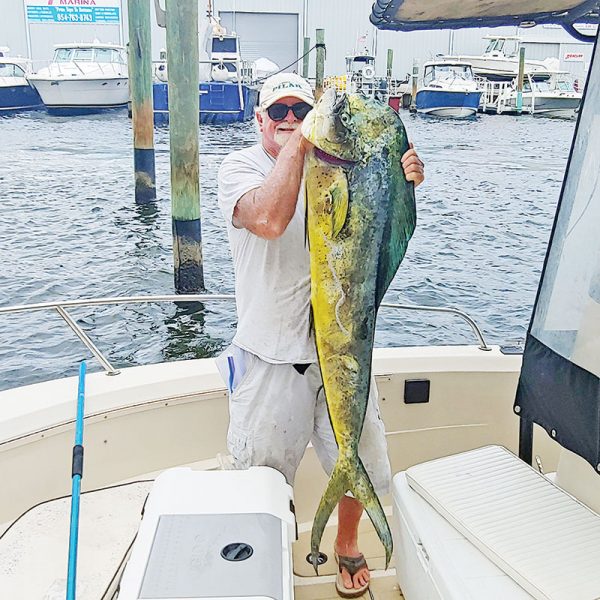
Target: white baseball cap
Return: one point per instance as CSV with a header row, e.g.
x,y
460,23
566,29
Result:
x,y
282,85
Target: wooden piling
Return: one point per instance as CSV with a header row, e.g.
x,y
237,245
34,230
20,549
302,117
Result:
x,y
520,80
306,59
183,60
320,63
140,88
415,78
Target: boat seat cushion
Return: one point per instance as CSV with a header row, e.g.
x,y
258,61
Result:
x,y
543,538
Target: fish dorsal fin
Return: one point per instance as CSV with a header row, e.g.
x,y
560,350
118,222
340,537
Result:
x,y
339,205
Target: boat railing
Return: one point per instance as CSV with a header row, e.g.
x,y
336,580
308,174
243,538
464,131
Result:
x,y
244,70
494,96
61,307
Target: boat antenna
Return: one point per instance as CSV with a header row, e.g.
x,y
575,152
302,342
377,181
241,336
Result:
x,y
77,472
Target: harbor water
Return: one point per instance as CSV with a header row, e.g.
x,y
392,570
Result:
x,y
70,229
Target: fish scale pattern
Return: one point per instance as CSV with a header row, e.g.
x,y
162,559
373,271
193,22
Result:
x,y
542,537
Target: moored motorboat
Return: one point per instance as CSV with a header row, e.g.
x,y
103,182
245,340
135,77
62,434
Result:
x,y
84,78
547,94
448,90
226,91
16,93
500,59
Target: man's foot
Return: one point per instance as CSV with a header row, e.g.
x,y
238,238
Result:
x,y
353,575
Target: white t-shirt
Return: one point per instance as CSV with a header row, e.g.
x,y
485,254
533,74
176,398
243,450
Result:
x,y
272,277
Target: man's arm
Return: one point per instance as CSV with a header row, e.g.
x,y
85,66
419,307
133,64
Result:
x,y
267,210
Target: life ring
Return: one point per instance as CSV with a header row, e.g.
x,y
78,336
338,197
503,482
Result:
x,y
368,72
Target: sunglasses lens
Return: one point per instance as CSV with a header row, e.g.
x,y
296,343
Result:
x,y
277,112
301,110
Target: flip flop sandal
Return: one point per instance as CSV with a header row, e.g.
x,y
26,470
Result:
x,y
353,565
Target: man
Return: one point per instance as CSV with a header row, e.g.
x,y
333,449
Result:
x,y
276,400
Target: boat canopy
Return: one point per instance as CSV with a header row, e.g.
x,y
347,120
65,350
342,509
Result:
x,y
410,15
559,387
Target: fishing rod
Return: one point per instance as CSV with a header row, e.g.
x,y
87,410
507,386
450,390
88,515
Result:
x,y
76,474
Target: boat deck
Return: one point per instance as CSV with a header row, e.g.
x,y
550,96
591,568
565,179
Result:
x,y
109,520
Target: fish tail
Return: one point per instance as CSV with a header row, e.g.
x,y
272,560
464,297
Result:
x,y
360,485
338,485
362,488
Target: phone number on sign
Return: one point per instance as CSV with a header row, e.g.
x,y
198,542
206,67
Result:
x,y
75,18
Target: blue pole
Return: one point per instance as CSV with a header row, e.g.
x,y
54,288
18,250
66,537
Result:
x,y
77,471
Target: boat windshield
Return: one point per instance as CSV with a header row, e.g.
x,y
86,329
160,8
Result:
x,y
504,46
63,55
11,70
565,84
108,55
542,86
83,54
447,73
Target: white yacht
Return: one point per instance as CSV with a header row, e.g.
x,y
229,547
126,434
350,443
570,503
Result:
x,y
500,59
84,77
548,94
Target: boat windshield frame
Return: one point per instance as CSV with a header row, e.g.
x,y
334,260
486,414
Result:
x,y
69,55
434,72
17,70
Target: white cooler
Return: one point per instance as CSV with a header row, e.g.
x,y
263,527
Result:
x,y
214,535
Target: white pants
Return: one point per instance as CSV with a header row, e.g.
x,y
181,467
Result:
x,y
275,411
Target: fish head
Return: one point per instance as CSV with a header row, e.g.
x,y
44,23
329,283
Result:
x,y
347,128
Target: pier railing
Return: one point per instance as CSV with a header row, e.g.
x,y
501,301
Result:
x,y
61,307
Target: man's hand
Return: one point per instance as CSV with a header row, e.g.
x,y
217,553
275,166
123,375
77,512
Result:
x,y
413,166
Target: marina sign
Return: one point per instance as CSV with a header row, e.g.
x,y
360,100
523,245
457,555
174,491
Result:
x,y
73,11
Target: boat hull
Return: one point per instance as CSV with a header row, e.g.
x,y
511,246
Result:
x,y
220,102
82,95
19,97
444,103
559,107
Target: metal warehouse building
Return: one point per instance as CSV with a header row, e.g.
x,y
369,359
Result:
x,y
274,29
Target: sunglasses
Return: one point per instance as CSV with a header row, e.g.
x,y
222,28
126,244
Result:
x,y
278,111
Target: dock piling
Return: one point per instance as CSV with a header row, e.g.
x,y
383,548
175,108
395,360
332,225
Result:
x,y
415,78
306,58
140,88
183,60
320,63
520,80
390,63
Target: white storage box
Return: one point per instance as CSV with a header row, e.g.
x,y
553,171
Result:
x,y
435,562
485,525
214,535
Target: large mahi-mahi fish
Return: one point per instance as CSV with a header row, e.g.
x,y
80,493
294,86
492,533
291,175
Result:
x,y
360,217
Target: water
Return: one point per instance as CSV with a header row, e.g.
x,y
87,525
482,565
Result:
x,y
69,228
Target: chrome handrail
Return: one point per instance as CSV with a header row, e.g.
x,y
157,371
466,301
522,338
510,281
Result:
x,y
61,306
451,311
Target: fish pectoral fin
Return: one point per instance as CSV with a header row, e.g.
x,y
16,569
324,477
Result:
x,y
339,205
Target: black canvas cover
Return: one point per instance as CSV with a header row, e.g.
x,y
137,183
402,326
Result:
x,y
559,387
